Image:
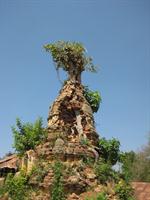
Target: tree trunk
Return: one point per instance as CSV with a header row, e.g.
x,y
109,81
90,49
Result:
x,y
74,74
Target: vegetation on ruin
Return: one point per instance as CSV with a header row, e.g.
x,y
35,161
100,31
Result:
x,y
57,188
39,171
110,155
16,186
93,98
124,190
101,196
68,55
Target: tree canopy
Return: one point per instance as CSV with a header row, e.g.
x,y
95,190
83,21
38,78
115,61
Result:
x,y
71,57
28,135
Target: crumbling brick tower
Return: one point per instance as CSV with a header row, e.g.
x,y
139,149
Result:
x,y
71,119
71,134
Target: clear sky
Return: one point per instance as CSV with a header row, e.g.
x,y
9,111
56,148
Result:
x,y
116,34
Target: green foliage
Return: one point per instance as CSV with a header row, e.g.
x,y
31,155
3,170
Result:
x,y
124,190
27,136
140,167
68,55
126,159
101,196
2,190
109,150
93,98
57,188
109,155
104,172
16,187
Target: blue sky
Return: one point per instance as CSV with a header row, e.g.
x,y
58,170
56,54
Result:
x,y
116,34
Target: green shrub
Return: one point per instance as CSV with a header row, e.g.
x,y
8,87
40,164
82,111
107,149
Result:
x,y
109,150
27,136
16,187
102,196
103,171
93,98
2,190
127,159
57,188
124,190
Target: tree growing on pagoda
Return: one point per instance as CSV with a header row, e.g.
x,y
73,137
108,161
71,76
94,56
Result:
x,y
72,58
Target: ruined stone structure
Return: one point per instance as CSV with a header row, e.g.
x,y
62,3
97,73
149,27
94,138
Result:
x,y
71,138
28,161
71,130
71,115
71,121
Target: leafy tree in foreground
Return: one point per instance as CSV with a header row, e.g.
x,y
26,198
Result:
x,y
28,135
15,186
